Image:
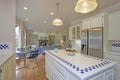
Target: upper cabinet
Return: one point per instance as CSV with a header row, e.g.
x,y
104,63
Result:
x,y
97,21
114,26
94,21
74,32
86,24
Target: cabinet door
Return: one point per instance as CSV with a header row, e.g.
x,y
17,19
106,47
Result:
x,y
114,28
70,33
5,71
98,77
12,68
49,72
97,21
8,69
78,32
48,67
71,76
86,24
57,75
109,75
73,32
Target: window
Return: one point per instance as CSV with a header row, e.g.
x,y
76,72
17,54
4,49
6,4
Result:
x,y
17,32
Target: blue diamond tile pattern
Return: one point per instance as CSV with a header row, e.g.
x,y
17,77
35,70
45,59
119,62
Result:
x,y
87,69
4,46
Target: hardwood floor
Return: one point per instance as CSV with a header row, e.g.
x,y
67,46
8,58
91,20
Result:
x,y
35,70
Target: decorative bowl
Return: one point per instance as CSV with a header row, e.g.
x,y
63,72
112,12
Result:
x,y
71,52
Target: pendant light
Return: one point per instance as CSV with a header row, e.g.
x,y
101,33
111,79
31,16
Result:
x,y
85,6
57,21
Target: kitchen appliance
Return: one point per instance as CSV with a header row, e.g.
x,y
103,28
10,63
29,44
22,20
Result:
x,y
92,42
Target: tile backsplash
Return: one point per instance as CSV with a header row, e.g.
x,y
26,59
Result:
x,y
116,45
5,47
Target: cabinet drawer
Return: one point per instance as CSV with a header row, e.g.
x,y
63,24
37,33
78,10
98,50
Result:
x,y
61,69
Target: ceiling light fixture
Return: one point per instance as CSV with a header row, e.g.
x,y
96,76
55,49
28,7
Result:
x,y
25,8
57,21
85,6
52,13
26,19
44,21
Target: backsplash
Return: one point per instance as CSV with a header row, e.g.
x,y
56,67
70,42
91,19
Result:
x,y
5,48
116,45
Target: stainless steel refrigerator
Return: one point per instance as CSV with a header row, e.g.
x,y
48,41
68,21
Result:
x,y
92,42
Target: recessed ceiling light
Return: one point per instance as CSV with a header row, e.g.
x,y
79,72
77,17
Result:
x,y
26,19
44,21
52,13
25,8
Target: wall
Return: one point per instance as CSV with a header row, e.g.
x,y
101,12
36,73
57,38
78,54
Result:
x,y
7,22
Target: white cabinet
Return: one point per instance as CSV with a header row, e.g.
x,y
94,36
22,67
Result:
x,y
97,21
70,33
109,75
8,69
98,77
74,32
71,76
55,70
86,24
48,67
114,26
57,75
94,21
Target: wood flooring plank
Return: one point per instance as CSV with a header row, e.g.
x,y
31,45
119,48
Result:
x,y
35,70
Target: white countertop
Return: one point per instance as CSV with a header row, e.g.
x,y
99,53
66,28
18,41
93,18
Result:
x,y
83,66
4,58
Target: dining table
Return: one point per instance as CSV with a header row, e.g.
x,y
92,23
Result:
x,y
23,55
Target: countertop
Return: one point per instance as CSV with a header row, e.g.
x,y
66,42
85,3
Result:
x,y
5,57
83,66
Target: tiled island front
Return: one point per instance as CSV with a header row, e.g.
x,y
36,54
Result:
x,y
60,66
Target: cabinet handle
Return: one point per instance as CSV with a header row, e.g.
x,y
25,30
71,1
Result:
x,y
0,70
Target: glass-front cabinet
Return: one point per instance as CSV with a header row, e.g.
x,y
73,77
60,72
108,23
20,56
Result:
x,y
74,32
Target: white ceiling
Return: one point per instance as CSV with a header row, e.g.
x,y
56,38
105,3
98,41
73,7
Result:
x,y
39,11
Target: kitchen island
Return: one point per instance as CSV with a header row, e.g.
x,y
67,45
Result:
x,y
60,66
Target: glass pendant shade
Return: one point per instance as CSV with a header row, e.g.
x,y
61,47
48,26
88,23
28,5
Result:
x,y
85,6
57,22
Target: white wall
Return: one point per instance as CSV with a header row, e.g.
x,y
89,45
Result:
x,y
7,22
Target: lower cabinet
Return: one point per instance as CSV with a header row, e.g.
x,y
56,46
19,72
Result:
x,y
8,69
57,75
98,77
55,71
48,67
70,76
109,75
